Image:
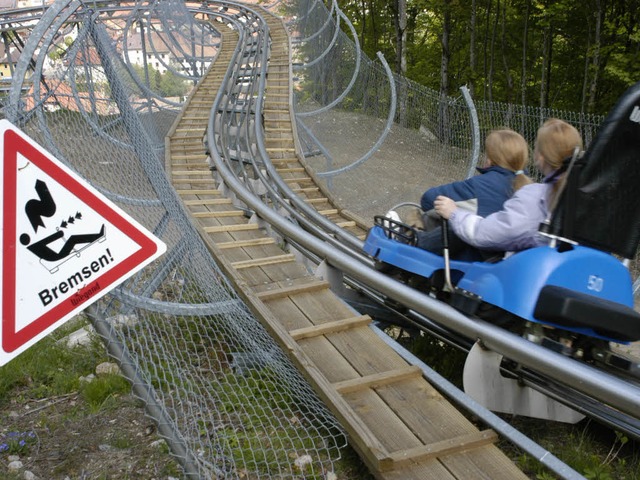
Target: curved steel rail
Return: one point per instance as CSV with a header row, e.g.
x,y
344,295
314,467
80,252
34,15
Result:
x,y
356,68
581,377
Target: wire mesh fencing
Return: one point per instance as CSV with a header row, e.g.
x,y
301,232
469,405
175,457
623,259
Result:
x,y
331,70
347,123
99,87
342,98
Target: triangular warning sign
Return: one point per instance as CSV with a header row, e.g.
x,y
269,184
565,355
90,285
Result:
x,y
64,244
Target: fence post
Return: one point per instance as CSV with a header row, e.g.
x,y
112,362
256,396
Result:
x,y
475,131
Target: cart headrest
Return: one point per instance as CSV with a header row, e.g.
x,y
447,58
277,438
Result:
x,y
600,206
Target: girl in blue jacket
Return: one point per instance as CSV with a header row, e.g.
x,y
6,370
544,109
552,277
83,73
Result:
x,y
515,226
507,155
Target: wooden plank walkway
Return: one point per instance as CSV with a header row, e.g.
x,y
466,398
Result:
x,y
399,424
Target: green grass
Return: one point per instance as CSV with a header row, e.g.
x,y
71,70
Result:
x,y
104,389
55,409
259,443
49,368
590,449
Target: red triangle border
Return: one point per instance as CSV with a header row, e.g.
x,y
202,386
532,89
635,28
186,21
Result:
x,y
14,143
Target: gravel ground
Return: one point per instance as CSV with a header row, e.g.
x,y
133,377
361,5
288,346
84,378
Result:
x,y
407,163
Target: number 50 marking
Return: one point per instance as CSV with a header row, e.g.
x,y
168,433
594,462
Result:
x,y
595,283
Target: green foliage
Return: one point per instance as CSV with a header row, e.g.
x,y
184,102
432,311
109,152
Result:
x,y
17,443
260,444
50,368
122,442
444,359
587,72
103,388
589,453
166,84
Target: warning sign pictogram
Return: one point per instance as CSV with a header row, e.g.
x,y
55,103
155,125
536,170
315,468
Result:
x,y
64,244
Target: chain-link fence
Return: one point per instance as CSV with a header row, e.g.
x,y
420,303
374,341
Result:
x,y
430,140
100,84
331,70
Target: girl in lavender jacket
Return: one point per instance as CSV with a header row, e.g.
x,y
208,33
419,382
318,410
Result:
x,y
515,227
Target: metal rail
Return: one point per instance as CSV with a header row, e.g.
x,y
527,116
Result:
x,y
583,378
349,261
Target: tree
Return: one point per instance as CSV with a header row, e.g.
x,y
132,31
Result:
x,y
400,24
505,60
472,47
444,73
446,53
525,33
572,54
171,85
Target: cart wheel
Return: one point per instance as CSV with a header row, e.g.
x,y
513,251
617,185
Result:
x,y
383,267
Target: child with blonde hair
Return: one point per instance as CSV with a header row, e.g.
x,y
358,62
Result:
x,y
507,155
515,227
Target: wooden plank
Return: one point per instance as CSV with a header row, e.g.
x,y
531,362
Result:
x,y
202,165
305,190
253,242
269,130
280,149
189,173
330,327
176,138
193,181
196,191
280,161
208,201
220,214
378,379
439,449
261,262
276,103
191,129
292,290
183,147
317,200
189,157
349,223
298,180
242,227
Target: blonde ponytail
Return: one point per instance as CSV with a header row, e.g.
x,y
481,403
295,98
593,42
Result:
x,y
508,149
556,142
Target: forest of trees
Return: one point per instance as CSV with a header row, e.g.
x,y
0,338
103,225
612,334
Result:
x,y
577,55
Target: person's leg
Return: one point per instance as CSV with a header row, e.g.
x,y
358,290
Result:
x,y
431,220
431,241
458,249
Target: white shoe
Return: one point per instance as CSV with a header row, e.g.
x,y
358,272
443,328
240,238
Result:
x,y
392,215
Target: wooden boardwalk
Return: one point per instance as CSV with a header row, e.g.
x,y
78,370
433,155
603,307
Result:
x,y
399,424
